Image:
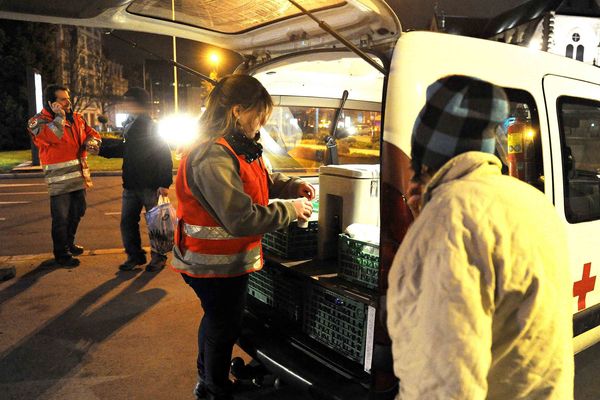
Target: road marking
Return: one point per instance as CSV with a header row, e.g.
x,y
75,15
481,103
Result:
x,y
3,185
20,193
14,202
113,213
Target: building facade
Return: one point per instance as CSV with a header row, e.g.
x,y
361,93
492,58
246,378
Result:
x,y
95,81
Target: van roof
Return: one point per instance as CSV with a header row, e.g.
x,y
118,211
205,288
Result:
x,y
484,58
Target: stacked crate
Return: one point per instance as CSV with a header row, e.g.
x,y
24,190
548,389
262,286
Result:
x,y
335,320
277,290
293,243
358,261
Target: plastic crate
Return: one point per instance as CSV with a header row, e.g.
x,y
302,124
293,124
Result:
x,y
293,243
336,321
358,261
282,293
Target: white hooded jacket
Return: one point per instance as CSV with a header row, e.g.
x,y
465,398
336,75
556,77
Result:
x,y
479,302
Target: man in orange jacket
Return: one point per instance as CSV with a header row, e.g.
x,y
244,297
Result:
x,y
63,139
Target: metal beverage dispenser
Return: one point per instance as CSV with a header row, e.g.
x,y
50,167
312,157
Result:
x,y
347,194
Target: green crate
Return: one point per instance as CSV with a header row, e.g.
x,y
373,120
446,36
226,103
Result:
x,y
281,292
293,243
336,321
358,261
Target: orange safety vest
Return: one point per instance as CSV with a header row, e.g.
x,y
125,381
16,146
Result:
x,y
62,155
203,248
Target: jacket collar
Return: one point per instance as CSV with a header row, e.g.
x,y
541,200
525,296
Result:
x,y
461,166
51,116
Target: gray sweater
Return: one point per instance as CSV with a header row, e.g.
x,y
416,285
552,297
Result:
x,y
214,180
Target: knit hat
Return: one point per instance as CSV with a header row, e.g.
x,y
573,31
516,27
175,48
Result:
x,y
460,115
137,95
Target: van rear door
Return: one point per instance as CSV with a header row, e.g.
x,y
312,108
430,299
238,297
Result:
x,y
276,26
574,121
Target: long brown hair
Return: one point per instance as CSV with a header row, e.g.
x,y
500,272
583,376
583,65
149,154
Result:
x,y
218,119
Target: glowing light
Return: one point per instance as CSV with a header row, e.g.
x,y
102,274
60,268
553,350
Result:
x,y
535,44
120,119
214,58
530,134
39,103
324,123
178,129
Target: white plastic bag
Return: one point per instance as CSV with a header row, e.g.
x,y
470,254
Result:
x,y
161,221
363,232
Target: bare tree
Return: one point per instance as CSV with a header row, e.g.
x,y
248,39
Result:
x,y
78,61
105,94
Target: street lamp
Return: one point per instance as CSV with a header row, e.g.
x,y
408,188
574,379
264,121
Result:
x,y
214,60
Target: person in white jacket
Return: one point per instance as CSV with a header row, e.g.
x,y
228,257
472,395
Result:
x,y
479,303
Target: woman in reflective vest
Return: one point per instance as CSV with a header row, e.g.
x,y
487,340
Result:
x,y
223,191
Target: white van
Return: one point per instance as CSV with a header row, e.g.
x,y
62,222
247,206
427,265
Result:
x,y
304,323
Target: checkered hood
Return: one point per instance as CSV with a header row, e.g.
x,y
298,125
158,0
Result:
x,y
460,115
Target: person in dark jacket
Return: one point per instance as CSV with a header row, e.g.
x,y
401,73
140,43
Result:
x,y
147,174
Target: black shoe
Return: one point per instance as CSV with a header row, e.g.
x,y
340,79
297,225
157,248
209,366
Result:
x,y
76,250
156,264
200,391
221,392
211,396
67,261
132,263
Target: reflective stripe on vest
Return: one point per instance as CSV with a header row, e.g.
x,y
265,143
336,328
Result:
x,y
64,177
51,167
206,232
216,265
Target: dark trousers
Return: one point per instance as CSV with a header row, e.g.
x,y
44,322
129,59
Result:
x,y
133,202
66,210
223,301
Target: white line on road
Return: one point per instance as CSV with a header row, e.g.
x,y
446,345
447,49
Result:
x,y
5,185
113,213
20,193
14,202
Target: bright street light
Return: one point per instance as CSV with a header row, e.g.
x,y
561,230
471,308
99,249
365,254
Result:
x,y
214,58
178,129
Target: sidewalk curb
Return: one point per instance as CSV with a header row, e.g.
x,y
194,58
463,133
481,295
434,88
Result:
x,y
27,257
33,175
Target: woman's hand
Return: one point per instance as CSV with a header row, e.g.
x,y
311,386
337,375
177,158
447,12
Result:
x,y
306,190
163,191
303,208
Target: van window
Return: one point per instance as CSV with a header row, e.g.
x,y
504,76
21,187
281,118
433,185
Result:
x,y
294,137
518,142
579,121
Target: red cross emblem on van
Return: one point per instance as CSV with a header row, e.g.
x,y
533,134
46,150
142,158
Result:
x,y
584,286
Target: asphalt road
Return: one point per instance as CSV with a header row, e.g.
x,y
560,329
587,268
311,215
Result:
x,y
25,211
25,229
